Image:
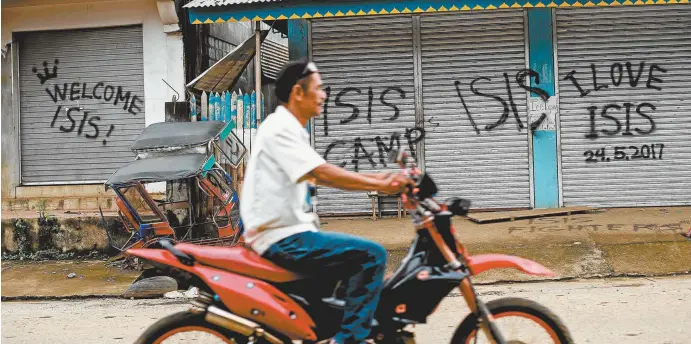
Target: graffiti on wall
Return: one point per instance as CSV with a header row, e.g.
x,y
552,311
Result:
x,y
587,224
624,118
372,150
508,104
74,117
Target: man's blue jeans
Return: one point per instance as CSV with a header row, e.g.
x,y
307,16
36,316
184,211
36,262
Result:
x,y
358,262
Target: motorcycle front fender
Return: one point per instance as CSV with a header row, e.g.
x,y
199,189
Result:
x,y
483,262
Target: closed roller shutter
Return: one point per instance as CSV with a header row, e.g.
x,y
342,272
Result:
x,y
489,166
634,60
367,66
81,103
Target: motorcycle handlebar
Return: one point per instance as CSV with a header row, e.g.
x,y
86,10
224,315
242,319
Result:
x,y
421,195
182,257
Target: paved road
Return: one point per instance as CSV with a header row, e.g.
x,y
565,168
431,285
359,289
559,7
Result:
x,y
634,310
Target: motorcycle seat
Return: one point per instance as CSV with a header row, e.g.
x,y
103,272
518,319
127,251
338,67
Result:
x,y
239,260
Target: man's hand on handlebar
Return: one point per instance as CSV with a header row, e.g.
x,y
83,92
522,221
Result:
x,y
337,177
379,175
397,183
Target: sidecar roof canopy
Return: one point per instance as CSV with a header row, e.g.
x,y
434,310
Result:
x,y
180,135
161,169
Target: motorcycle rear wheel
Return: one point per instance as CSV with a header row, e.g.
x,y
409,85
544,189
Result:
x,y
183,327
525,310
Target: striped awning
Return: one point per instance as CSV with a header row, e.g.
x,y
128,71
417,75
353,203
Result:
x,y
221,11
216,3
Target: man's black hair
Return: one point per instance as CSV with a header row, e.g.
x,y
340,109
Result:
x,y
289,75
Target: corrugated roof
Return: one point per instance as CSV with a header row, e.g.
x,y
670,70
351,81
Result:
x,y
214,3
256,10
274,56
225,73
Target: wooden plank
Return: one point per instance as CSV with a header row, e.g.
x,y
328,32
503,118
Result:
x,y
525,214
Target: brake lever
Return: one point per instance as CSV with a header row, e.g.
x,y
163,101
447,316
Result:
x,y
182,257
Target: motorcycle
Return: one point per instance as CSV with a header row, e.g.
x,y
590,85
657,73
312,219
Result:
x,y
246,299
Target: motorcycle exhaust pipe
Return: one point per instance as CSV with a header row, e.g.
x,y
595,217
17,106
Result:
x,y
245,327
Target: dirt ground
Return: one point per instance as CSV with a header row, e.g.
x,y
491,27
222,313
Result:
x,y
605,243
607,226
52,279
601,311
609,242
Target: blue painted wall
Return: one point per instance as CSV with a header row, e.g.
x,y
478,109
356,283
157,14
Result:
x,y
541,54
297,39
298,45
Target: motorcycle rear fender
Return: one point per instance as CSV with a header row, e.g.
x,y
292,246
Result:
x,y
483,262
244,296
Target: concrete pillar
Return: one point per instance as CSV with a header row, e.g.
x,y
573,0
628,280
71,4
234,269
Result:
x,y
10,125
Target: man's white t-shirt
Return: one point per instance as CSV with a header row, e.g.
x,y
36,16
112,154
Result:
x,y
273,205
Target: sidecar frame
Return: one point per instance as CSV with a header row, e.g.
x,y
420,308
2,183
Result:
x,y
200,153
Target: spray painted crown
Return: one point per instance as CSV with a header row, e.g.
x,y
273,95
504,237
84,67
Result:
x,y
47,75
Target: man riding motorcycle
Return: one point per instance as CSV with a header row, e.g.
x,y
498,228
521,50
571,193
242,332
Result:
x,y
275,213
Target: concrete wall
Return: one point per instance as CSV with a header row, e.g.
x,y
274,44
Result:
x,y
163,59
10,126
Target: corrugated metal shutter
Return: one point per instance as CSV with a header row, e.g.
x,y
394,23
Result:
x,y
356,55
93,63
647,41
489,166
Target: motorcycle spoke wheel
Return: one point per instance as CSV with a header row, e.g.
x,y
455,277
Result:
x,y
188,327
193,334
519,321
518,328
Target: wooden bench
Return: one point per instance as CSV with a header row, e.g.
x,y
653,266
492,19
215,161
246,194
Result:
x,y
377,199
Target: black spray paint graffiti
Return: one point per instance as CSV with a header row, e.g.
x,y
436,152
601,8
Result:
x,y
92,122
387,98
653,151
76,91
356,110
581,224
616,78
412,136
100,91
508,106
47,74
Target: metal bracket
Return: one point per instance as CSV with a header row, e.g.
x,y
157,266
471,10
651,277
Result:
x,y
175,98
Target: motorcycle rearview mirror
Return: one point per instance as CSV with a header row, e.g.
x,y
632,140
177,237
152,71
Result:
x,y
398,156
458,206
394,156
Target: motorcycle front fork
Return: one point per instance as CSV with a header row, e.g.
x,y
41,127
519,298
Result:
x,y
483,314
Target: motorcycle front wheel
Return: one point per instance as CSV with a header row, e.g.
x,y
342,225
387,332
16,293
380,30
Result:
x,y
520,321
186,327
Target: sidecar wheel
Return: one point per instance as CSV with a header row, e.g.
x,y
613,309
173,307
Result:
x,y
532,323
184,327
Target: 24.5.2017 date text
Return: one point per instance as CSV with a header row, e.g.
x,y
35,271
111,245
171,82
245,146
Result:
x,y
653,151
